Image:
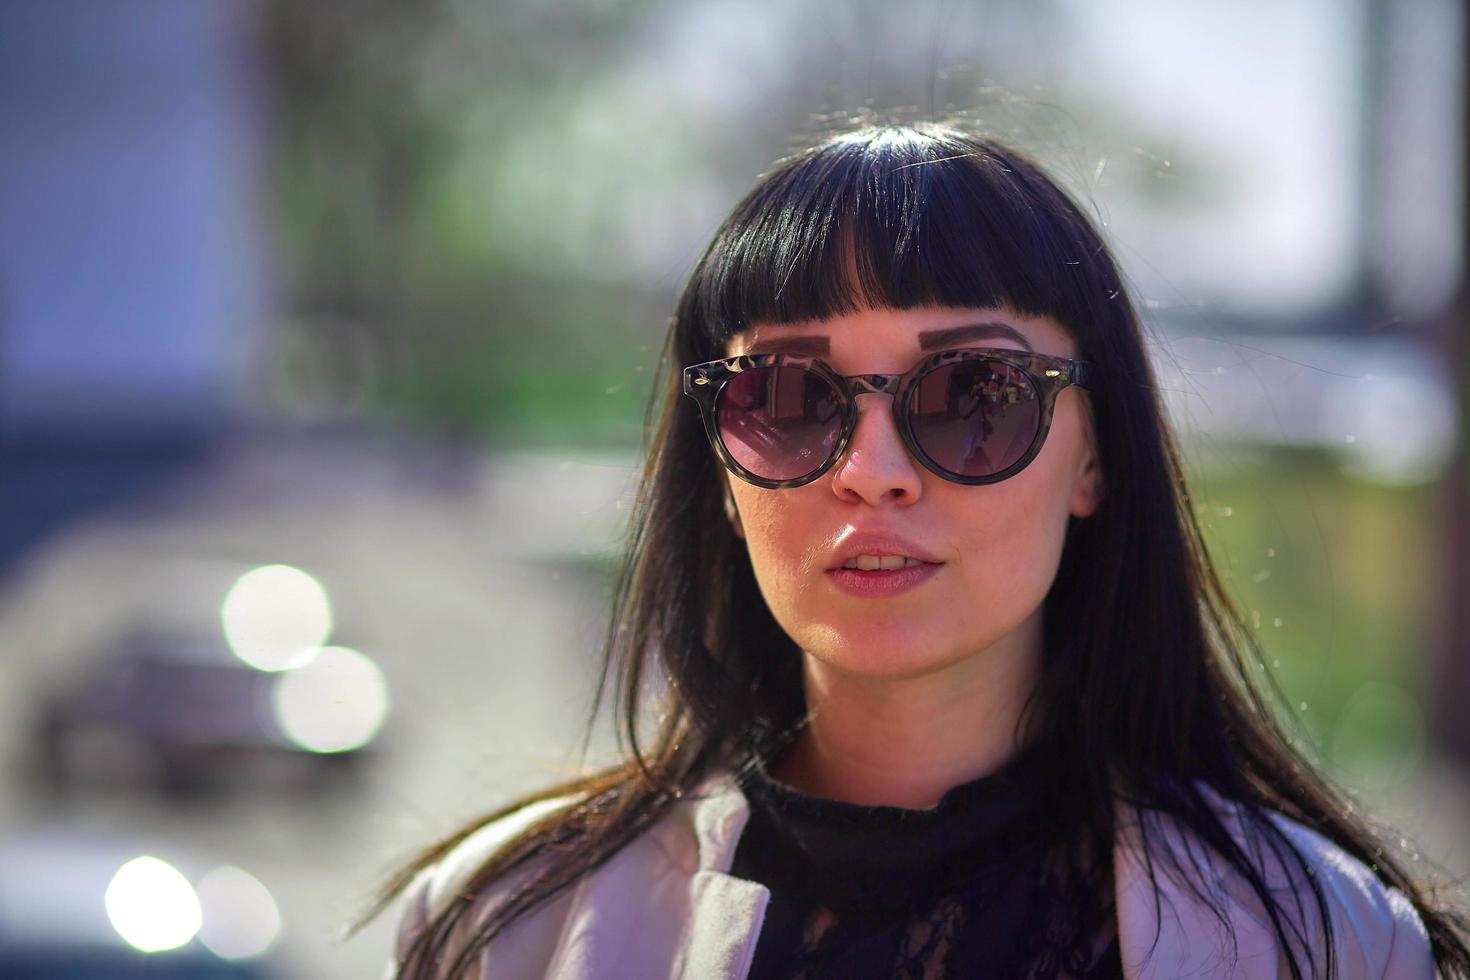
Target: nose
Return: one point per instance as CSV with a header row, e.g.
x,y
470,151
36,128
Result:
x,y
876,466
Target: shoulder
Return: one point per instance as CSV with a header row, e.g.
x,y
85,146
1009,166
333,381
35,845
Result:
x,y
1376,931
1372,922
435,887
657,865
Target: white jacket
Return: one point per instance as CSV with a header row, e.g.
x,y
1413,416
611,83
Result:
x,y
666,907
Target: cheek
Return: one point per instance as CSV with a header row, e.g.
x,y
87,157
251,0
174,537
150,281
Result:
x,y
1015,533
1009,550
787,552
777,526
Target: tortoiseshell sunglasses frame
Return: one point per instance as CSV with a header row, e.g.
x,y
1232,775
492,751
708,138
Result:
x,y
1047,374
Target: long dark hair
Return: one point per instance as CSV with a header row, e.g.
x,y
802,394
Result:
x,y
1147,692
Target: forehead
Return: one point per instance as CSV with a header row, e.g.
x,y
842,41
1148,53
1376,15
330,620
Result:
x,y
906,332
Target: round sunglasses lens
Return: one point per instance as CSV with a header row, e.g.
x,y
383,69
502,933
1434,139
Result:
x,y
780,423
974,417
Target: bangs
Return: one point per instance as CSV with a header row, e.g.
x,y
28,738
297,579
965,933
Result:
x,y
896,218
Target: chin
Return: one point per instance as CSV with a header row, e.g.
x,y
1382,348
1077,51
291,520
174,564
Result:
x,y
880,653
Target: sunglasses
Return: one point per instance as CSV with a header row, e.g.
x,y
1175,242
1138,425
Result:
x,y
975,415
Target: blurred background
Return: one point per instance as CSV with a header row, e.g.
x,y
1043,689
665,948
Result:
x,y
325,336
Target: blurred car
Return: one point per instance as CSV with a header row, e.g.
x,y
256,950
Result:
x,y
178,714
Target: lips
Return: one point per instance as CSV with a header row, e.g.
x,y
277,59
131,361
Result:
x,y
862,547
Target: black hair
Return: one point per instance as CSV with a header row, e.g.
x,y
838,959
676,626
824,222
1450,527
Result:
x,y
1146,693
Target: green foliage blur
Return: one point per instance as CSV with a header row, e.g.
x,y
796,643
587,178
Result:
x,y
421,185
1339,580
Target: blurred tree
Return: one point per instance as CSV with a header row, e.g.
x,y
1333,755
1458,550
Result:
x,y
395,126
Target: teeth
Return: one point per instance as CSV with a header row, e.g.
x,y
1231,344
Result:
x,y
873,563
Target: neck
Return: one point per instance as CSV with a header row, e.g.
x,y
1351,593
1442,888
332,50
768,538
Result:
x,y
904,742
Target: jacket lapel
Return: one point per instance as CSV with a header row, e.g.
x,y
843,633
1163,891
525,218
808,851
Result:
x,y
664,907
726,912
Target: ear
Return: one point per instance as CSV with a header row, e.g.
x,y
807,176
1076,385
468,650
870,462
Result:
x,y
1087,487
732,514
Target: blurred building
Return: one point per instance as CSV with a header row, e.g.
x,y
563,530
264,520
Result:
x,y
131,273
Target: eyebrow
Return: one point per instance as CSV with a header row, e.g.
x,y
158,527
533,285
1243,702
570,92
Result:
x,y
957,336
928,339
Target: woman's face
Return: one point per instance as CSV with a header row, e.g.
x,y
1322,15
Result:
x,y
990,552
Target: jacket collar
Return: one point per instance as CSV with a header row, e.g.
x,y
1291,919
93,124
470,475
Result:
x,y
719,812
1161,934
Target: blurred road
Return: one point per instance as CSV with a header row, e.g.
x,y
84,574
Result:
x,y
476,582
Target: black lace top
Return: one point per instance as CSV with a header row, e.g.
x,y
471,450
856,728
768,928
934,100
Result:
x,y
966,889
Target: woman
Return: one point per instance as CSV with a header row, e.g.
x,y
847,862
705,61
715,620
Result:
x,y
945,683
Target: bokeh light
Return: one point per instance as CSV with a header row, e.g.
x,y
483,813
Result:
x,y
336,703
276,617
240,916
152,906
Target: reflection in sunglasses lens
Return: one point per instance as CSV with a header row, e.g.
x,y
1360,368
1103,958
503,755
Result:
x,y
974,417
780,423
